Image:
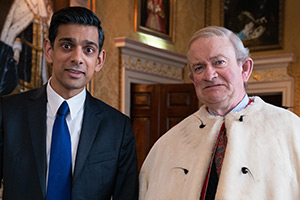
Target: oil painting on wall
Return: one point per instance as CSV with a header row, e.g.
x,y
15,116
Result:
x,y
257,22
155,17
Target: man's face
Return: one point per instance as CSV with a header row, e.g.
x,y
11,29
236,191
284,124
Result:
x,y
74,57
217,76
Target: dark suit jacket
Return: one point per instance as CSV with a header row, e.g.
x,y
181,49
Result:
x,y
106,163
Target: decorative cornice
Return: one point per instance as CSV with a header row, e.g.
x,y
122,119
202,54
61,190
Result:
x,y
271,67
273,60
140,57
148,66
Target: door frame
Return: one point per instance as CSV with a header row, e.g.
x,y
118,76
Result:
x,y
139,78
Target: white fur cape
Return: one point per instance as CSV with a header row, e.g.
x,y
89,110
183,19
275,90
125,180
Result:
x,y
266,142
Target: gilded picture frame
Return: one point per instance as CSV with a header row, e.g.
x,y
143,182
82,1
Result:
x,y
156,18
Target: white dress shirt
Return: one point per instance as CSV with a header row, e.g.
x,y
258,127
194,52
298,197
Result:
x,y
74,119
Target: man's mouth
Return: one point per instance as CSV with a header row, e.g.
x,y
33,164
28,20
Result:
x,y
211,86
75,71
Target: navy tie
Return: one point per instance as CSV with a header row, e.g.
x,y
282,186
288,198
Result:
x,y
60,166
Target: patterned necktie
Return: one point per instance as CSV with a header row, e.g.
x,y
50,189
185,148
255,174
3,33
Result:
x,y
211,182
220,150
59,178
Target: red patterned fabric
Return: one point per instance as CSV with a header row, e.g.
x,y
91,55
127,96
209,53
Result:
x,y
207,187
220,150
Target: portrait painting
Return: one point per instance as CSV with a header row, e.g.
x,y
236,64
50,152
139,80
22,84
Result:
x,y
257,22
155,17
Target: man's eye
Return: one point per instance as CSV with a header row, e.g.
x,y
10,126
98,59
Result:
x,y
219,62
66,46
198,69
90,50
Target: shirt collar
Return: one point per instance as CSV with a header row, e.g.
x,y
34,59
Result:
x,y
243,104
55,100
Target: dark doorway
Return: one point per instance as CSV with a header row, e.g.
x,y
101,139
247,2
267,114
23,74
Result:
x,y
157,108
272,98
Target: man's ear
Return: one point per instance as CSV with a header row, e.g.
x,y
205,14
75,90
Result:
x,y
247,68
100,60
48,51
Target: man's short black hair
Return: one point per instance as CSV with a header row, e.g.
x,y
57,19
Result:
x,y
75,15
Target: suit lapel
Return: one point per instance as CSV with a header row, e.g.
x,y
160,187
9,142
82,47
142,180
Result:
x,y
37,125
91,121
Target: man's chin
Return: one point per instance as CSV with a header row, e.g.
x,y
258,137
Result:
x,y
213,100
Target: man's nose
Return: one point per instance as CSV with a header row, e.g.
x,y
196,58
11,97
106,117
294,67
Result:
x,y
77,56
210,73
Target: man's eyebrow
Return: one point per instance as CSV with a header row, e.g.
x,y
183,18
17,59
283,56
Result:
x,y
91,43
197,63
211,59
86,42
217,57
66,39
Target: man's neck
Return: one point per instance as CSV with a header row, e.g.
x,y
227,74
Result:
x,y
64,92
225,110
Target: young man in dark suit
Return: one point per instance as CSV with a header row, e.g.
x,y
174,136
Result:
x,y
101,145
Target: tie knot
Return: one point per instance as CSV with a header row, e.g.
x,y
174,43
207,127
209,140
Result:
x,y
63,109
